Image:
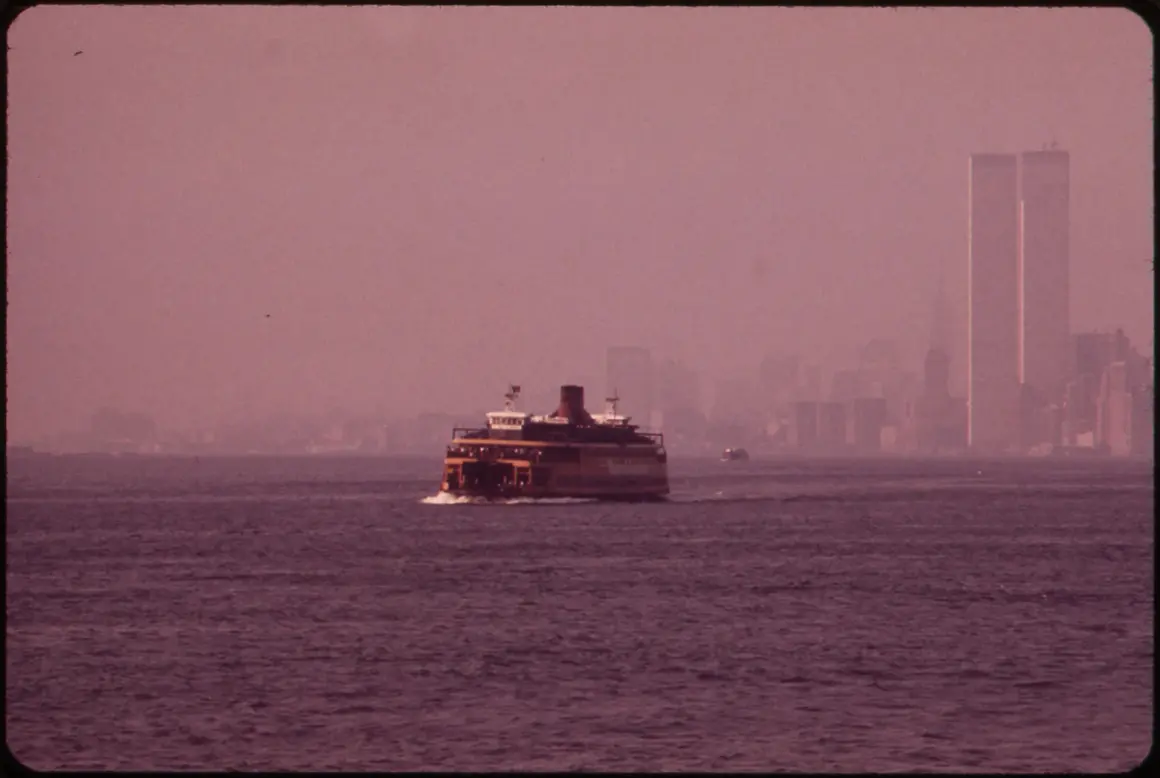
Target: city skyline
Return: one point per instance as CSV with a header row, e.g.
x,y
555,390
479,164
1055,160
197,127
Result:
x,y
223,212
878,405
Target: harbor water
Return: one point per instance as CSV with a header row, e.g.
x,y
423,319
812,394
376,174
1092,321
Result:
x,y
335,614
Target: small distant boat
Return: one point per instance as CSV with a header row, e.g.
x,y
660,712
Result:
x,y
734,455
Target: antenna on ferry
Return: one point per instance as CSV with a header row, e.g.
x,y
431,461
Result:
x,y
511,397
612,400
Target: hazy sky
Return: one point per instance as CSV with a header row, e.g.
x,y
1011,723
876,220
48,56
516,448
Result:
x,y
430,202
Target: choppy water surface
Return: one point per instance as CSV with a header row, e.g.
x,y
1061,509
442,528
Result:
x,y
316,614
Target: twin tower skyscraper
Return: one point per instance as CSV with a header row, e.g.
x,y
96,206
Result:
x,y
1018,290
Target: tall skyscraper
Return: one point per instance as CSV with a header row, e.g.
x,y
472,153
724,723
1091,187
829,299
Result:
x,y
1044,290
630,375
993,310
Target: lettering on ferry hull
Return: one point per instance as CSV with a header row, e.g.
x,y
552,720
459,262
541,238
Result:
x,y
626,467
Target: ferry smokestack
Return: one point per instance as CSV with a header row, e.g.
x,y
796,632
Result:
x,y
572,405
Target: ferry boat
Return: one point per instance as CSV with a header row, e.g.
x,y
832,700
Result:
x,y
734,455
567,453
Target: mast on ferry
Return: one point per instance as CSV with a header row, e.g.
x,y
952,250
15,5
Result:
x,y
610,404
513,394
610,413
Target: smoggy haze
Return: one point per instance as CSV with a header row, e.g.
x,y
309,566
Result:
x,y
429,203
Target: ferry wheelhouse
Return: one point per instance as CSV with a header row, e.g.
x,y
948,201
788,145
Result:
x,y
567,453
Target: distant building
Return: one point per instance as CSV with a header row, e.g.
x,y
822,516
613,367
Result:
x,y
1124,413
811,383
1036,426
1044,288
805,426
1094,351
902,393
1143,422
1091,355
993,311
868,419
936,415
1079,410
952,435
832,427
881,375
845,385
629,373
934,406
1114,411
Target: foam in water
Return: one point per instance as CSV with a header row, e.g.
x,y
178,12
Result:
x,y
549,501
445,498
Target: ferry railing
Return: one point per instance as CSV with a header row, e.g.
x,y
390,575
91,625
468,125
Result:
x,y
656,437
552,435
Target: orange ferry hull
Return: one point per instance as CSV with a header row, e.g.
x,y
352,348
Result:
x,y
567,454
622,474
